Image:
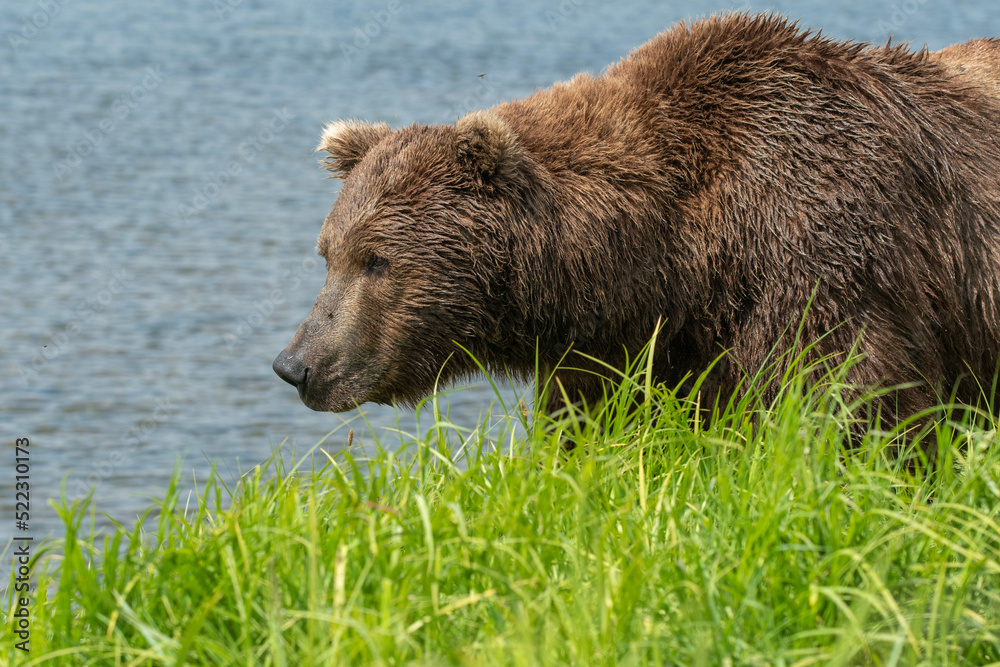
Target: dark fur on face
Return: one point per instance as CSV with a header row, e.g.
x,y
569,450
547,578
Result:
x,y
722,177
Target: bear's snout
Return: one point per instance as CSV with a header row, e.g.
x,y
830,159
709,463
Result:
x,y
292,369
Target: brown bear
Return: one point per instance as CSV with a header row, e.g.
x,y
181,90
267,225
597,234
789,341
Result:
x,y
736,178
977,60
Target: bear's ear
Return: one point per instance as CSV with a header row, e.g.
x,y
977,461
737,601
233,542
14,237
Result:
x,y
347,142
490,150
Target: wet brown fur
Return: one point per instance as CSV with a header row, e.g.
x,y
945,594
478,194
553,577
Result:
x,y
723,176
977,61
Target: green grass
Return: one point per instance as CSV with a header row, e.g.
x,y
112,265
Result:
x,y
755,538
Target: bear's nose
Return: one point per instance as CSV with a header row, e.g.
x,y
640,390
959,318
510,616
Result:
x,y
290,368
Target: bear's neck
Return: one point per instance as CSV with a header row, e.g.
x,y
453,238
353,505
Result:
x,y
590,248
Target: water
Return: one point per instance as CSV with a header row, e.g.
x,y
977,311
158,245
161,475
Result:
x,y
160,200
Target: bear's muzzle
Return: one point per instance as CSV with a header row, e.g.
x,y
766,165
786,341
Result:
x,y
292,369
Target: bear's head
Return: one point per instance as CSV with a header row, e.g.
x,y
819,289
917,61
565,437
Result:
x,y
416,252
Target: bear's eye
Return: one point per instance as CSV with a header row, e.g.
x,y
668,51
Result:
x,y
376,264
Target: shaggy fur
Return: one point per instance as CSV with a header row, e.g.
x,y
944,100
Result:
x,y
722,177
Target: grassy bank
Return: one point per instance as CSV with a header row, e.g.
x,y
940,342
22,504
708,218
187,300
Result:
x,y
754,539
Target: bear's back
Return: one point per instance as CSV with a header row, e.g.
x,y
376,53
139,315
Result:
x,y
977,61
